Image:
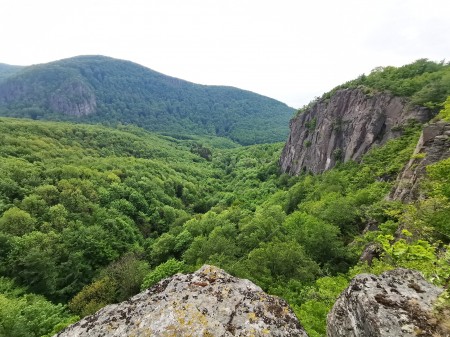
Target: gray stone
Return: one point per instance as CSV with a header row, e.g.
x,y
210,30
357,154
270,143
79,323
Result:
x,y
208,302
433,146
396,303
344,128
73,98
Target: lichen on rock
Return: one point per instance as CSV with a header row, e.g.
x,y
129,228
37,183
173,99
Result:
x,y
397,303
209,302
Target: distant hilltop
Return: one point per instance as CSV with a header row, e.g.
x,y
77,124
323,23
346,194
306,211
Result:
x,y
99,89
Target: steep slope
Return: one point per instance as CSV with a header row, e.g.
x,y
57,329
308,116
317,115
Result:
x,y
432,147
104,90
353,118
344,128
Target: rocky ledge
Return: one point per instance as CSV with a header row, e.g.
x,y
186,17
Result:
x,y
396,303
208,302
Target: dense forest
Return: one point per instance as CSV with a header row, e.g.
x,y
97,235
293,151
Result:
x,y
98,89
90,215
7,70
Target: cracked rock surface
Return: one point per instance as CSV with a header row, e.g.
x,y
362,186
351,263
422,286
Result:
x,y
396,303
209,302
344,127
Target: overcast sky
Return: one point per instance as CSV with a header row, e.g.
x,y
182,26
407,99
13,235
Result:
x,y
285,49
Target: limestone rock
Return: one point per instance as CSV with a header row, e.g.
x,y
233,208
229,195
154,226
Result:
x,y
344,127
433,146
208,302
396,303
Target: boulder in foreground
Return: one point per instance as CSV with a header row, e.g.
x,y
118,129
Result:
x,y
208,302
396,303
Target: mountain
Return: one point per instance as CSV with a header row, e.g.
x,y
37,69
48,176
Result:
x,y
359,115
7,70
98,89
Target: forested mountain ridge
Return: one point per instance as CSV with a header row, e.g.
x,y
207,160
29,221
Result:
x,y
98,89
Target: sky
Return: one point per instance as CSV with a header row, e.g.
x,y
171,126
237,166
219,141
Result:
x,y
289,50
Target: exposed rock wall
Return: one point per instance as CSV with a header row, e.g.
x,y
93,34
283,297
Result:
x,y
396,303
73,98
208,302
433,146
344,128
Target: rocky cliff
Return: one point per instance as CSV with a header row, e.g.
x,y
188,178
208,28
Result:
x,y
433,146
343,128
71,96
208,302
396,303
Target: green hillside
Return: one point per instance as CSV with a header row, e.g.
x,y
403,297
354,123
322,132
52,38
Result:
x,y
97,89
89,215
7,70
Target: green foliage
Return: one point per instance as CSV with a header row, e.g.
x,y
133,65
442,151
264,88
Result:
x,y
311,124
29,314
16,222
321,240
425,82
121,92
7,70
277,262
319,300
445,112
164,270
93,297
88,215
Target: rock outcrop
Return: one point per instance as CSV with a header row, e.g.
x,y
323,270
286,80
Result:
x,y
73,98
396,303
344,127
433,146
208,302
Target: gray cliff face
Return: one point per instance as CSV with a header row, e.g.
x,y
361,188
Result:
x,y
433,146
208,302
344,128
74,98
71,97
396,303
